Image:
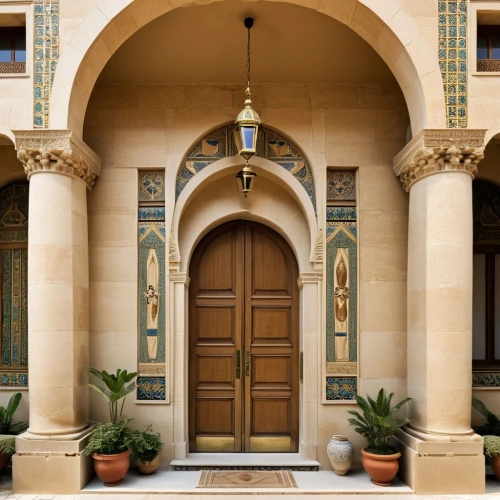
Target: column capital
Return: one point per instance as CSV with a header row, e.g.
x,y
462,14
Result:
x,y
433,151
179,277
305,278
57,151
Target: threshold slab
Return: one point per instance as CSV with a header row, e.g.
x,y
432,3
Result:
x,y
185,482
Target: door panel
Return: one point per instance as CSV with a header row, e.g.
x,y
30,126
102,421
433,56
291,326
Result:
x,y
243,311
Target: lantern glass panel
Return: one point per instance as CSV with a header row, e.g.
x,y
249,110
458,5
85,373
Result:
x,y
247,137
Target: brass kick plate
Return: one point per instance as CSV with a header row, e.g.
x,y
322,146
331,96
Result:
x,y
270,444
214,444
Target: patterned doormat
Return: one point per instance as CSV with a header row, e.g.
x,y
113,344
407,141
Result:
x,y
247,479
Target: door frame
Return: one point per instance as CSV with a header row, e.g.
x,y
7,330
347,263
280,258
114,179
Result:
x,y
310,286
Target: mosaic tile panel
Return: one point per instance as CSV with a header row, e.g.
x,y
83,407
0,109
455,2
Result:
x,y
152,186
452,51
486,379
151,388
14,379
341,388
341,185
341,293
46,56
270,145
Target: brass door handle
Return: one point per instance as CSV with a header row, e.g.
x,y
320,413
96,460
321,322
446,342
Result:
x,y
238,364
247,363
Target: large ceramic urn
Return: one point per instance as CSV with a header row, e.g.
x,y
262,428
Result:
x,y
340,452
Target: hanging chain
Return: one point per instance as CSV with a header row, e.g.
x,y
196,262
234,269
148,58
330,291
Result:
x,y
248,60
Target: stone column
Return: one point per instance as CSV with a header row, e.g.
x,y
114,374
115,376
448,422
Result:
x,y
437,168
60,168
310,316
179,286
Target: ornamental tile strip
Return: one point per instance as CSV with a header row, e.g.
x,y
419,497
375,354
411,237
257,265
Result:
x,y
452,52
341,185
46,55
341,388
151,388
270,145
152,186
341,295
486,379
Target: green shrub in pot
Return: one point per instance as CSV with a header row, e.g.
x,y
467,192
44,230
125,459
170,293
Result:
x,y
145,447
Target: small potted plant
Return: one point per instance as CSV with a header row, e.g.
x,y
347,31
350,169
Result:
x,y
492,451
378,423
107,442
145,447
8,428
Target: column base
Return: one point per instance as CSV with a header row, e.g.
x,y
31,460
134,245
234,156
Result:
x,y
431,467
53,466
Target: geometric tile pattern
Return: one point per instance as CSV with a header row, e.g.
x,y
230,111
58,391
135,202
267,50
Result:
x,y
270,145
151,380
452,51
151,388
485,379
46,56
341,388
341,185
341,297
14,286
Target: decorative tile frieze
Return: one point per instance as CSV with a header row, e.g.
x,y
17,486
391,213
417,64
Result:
x,y
341,357
341,185
151,383
486,379
14,286
433,151
270,145
452,53
46,56
341,388
151,388
57,151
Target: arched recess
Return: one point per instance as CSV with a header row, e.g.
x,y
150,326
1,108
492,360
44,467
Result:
x,y
385,25
277,200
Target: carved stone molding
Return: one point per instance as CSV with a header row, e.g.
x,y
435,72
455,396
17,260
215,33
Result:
x,y
433,151
318,250
173,251
309,278
180,278
57,151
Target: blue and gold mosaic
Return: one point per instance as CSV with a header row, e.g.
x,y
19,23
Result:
x,y
151,388
270,145
14,285
46,56
341,388
341,287
152,287
452,51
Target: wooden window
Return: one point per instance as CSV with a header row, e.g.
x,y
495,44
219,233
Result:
x,y
13,49
488,48
486,308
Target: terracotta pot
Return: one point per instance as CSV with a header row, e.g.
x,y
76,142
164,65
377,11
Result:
x,y
381,468
495,465
4,459
111,469
148,468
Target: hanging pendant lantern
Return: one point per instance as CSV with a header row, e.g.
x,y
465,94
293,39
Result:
x,y
247,127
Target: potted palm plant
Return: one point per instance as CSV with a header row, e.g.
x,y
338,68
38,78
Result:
x,y
107,442
145,447
492,451
8,428
378,423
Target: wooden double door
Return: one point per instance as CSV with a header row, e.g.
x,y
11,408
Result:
x,y
244,342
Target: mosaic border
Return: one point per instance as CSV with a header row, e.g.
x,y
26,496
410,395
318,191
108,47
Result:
x,y
270,145
46,55
341,388
486,379
151,388
14,379
452,53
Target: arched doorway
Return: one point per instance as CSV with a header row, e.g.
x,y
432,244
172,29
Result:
x,y
243,342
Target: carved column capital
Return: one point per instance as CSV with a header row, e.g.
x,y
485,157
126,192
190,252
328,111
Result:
x,y
57,151
180,277
433,151
309,278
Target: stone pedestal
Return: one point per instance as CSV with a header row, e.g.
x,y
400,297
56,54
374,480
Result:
x,y
60,169
437,168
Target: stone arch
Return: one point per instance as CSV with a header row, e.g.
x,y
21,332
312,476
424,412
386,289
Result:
x,y
271,145
289,212
386,26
